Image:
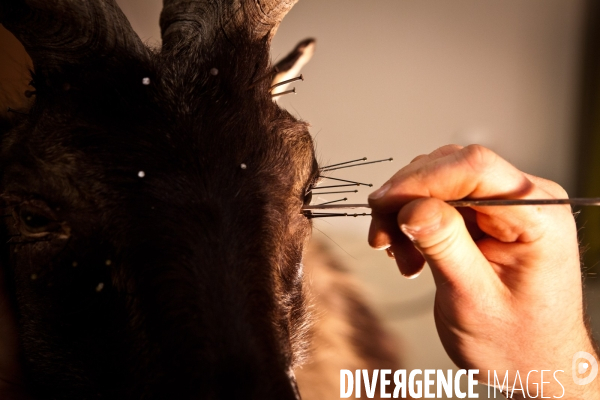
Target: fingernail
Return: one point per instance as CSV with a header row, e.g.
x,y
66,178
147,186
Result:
x,y
408,231
413,276
379,193
390,253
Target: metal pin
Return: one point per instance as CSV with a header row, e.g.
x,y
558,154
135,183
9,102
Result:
x,y
345,180
327,169
283,93
334,201
298,78
334,186
329,215
325,215
344,191
344,163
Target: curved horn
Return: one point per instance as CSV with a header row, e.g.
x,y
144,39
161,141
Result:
x,y
183,19
57,33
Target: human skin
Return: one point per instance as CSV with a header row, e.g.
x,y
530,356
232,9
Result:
x,y
509,290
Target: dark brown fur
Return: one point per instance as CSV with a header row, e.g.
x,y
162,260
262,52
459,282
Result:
x,y
186,282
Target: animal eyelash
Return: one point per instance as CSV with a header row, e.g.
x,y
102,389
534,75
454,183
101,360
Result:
x,y
313,182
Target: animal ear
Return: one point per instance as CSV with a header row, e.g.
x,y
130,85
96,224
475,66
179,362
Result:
x,y
290,66
62,34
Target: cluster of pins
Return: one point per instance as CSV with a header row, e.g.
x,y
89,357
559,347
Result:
x,y
288,81
345,183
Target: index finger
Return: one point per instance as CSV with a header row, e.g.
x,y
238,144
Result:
x,y
474,172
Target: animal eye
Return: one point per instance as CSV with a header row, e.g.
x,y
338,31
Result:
x,y
33,221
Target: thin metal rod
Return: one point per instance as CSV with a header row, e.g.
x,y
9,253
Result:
x,y
334,207
331,202
576,201
334,186
286,92
345,180
327,215
344,163
298,78
521,202
343,191
356,165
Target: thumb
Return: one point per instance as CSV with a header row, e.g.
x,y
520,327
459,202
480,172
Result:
x,y
439,232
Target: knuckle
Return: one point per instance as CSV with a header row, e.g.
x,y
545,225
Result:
x,y
555,189
550,187
478,157
447,149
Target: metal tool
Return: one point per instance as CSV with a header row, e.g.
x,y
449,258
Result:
x,y
581,201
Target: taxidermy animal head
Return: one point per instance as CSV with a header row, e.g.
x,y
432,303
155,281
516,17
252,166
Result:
x,y
153,233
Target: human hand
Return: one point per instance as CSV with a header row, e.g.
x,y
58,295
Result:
x,y
509,292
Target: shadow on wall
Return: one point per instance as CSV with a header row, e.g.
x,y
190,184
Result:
x,y
588,158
